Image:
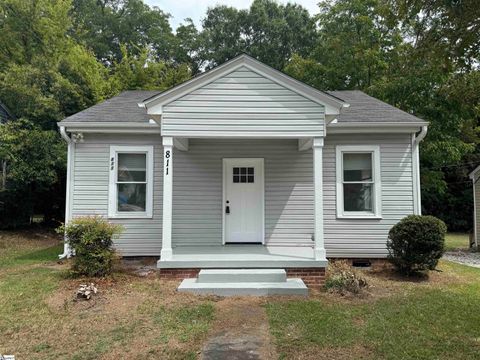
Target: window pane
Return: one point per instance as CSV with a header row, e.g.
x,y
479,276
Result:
x,y
358,197
132,167
357,167
250,178
243,178
131,197
243,170
236,170
250,171
236,178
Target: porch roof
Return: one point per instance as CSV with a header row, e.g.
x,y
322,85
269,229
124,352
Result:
x,y
241,256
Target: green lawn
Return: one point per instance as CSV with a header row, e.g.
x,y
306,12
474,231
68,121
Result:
x,y
435,319
130,318
457,241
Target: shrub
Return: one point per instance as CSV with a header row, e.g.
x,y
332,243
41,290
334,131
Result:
x,y
416,243
91,238
342,277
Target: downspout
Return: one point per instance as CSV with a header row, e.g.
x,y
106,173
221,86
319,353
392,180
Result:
x,y
68,198
417,196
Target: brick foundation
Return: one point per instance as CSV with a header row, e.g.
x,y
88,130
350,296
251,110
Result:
x,y
375,264
178,274
314,278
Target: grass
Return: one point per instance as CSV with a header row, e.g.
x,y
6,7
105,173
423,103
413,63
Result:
x,y
457,241
130,318
435,319
133,317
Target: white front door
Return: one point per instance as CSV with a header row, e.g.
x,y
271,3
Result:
x,y
243,200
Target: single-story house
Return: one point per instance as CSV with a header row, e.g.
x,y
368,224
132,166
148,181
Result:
x,y
475,177
245,167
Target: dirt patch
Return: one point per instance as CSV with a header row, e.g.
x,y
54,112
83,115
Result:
x,y
240,331
29,238
325,353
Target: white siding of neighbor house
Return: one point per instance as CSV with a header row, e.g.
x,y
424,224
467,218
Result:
x,y
197,192
243,103
91,179
476,194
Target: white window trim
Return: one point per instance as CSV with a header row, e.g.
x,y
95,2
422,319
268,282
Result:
x,y
377,183
112,188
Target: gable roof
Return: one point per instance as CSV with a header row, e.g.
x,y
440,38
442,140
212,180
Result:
x,y
365,108
120,108
332,104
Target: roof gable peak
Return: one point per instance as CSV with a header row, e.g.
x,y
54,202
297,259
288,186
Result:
x,y
332,104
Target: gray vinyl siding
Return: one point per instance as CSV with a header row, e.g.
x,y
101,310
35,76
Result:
x,y
141,237
197,191
243,103
361,237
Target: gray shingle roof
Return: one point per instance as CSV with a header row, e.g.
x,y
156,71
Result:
x,y
120,108
124,108
365,108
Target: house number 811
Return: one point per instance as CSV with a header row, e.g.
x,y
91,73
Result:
x,y
167,163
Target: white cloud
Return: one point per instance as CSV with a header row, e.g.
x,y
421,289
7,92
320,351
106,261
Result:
x,y
195,9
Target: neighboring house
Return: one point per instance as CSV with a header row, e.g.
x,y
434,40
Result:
x,y
475,176
5,115
245,167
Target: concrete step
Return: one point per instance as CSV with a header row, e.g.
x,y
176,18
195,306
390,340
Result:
x,y
242,275
289,287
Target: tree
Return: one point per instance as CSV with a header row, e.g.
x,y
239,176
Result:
x,y
268,31
139,72
44,75
104,26
35,159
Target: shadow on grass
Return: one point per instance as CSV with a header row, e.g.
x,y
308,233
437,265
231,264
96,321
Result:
x,y
42,255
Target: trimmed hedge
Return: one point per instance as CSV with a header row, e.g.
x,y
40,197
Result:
x,y
416,243
91,239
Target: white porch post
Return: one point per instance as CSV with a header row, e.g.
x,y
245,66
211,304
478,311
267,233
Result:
x,y
319,248
166,252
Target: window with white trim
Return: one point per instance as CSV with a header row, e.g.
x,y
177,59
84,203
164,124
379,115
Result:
x,y
131,182
358,181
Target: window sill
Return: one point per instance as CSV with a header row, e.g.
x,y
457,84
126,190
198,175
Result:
x,y
360,217
130,216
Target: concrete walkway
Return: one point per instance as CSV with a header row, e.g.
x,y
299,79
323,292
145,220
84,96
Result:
x,y
240,332
463,257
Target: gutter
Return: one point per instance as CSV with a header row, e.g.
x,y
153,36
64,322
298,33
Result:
x,y
67,252
417,196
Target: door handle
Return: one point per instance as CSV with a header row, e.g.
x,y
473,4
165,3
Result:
x,y
227,208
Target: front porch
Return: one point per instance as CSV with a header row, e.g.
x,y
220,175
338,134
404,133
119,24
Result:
x,y
241,256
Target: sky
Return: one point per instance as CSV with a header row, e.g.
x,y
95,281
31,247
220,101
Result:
x,y
195,9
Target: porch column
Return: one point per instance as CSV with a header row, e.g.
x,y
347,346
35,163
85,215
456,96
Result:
x,y
166,252
319,248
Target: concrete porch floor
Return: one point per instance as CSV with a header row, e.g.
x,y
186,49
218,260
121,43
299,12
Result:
x,y
241,256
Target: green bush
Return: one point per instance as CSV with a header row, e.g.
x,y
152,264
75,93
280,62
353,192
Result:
x,y
416,243
343,278
91,239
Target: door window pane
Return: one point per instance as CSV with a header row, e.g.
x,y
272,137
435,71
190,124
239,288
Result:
x,y
357,197
131,197
357,167
132,167
243,175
